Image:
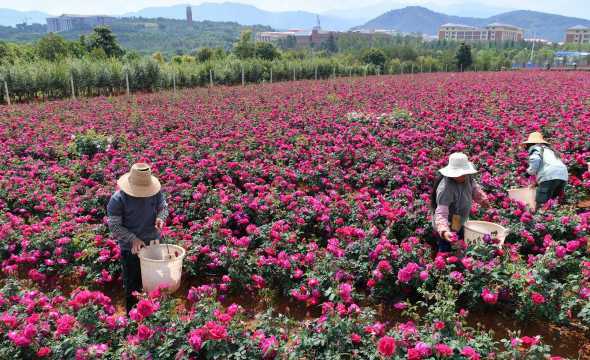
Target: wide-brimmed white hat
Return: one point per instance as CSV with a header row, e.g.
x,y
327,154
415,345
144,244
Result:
x,y
139,182
536,138
459,165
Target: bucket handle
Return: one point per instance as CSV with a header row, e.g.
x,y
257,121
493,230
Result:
x,y
157,242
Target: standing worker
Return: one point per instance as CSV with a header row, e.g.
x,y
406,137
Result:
x,y
545,163
136,215
454,191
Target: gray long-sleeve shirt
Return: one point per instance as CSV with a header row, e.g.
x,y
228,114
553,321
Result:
x,y
131,218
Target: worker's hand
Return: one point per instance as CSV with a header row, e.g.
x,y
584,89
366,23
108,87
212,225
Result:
x,y
532,185
450,236
136,246
159,224
485,203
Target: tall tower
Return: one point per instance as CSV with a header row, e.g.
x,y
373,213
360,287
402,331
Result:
x,y
318,26
189,15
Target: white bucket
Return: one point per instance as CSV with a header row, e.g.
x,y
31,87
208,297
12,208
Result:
x,y
476,230
161,265
525,195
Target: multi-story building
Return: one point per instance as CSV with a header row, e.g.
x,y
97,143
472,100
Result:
x,y
494,32
305,38
76,22
578,35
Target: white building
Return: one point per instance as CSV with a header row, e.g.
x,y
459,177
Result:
x,y
67,22
494,32
578,35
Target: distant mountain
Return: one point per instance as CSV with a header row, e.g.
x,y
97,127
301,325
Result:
x,y
368,12
473,9
246,15
422,20
416,19
9,17
548,26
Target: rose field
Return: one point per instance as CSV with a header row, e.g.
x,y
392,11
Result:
x,y
304,209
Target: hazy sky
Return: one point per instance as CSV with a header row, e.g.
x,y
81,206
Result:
x,y
580,8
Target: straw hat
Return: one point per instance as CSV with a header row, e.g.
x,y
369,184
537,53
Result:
x,y
536,138
139,182
459,165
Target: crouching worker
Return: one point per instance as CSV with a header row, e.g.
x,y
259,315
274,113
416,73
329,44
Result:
x,y
136,215
451,199
545,163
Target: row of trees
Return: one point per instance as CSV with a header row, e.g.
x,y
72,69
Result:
x,y
100,44
96,64
50,80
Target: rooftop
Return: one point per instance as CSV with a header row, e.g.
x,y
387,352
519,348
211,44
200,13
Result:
x,y
77,16
458,25
497,24
579,27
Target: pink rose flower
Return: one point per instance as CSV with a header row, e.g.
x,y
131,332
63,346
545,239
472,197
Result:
x,y
443,350
537,298
386,346
489,296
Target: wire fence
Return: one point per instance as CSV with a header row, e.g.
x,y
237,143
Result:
x,y
84,78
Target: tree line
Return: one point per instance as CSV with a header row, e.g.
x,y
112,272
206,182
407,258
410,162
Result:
x,y
96,64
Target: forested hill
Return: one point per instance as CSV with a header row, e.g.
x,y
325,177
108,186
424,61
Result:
x,y
150,35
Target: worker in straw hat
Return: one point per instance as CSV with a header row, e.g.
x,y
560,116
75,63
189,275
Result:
x,y
546,165
454,191
136,216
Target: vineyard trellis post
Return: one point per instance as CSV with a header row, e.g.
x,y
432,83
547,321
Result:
x,y
73,89
430,68
294,78
127,83
421,67
401,66
243,77
334,72
210,77
315,76
412,68
6,93
271,74
174,82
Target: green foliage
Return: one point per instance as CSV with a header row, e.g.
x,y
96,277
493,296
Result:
x,y
330,45
204,54
159,57
245,47
290,42
103,38
266,51
375,57
464,58
5,53
52,47
149,35
90,143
